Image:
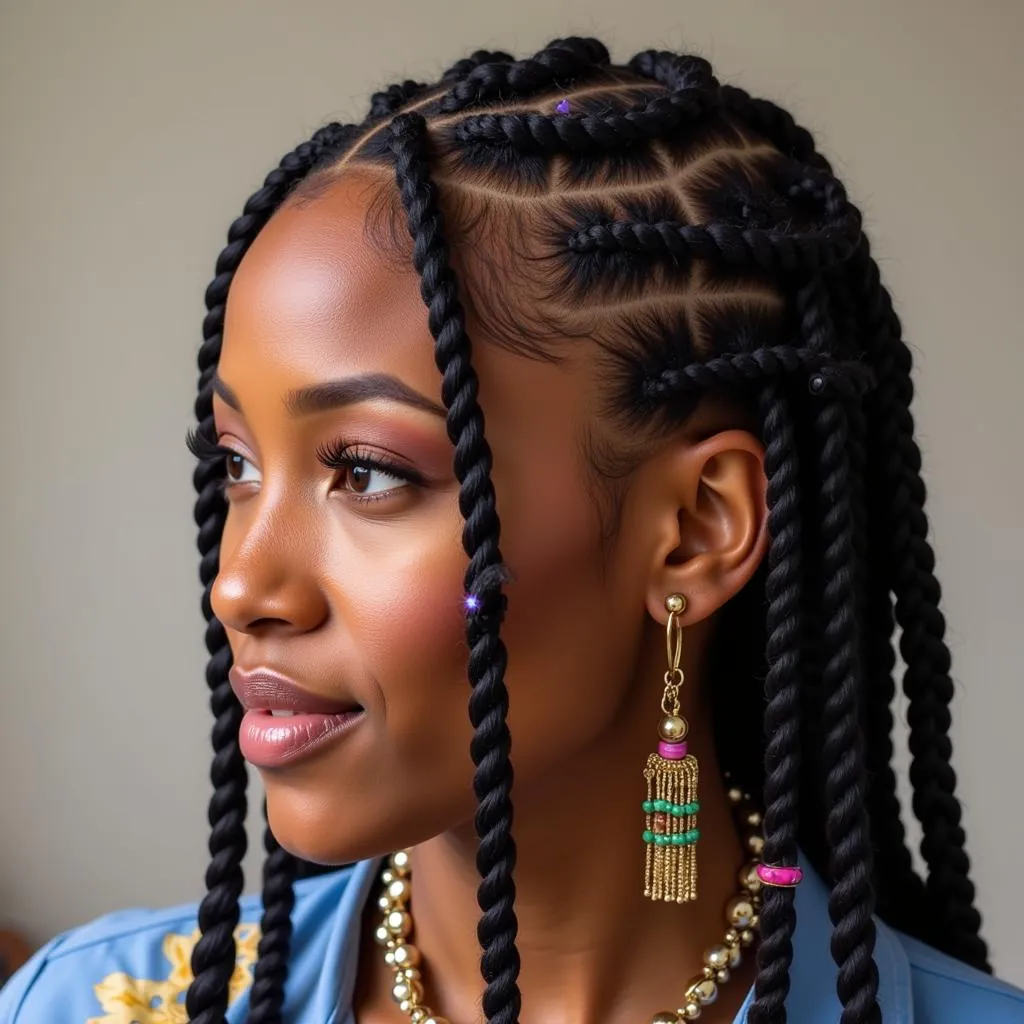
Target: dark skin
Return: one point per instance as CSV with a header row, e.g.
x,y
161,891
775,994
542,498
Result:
x,y
351,583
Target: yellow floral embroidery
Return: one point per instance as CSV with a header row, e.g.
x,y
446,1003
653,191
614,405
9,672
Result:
x,y
128,1000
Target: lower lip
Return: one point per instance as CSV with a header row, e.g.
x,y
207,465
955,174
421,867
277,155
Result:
x,y
269,741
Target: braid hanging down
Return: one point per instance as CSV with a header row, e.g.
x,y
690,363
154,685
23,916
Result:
x,y
213,960
695,236
488,704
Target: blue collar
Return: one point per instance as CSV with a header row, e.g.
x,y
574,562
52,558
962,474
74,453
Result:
x,y
812,994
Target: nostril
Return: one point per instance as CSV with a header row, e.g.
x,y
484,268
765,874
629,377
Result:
x,y
265,624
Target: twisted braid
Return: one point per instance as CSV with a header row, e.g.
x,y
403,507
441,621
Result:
x,y
742,247
674,71
463,67
279,873
742,368
909,571
782,712
851,902
488,705
562,60
926,681
899,890
795,223
776,125
696,94
387,101
213,959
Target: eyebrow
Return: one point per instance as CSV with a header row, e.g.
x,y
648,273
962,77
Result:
x,y
337,394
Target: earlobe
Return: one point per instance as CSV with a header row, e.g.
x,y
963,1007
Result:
x,y
717,534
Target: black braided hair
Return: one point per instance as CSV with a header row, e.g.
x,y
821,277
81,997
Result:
x,y
213,959
805,331
949,919
851,903
394,97
899,890
782,692
280,870
560,61
926,681
488,707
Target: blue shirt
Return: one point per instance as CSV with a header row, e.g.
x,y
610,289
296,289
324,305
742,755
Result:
x,y
133,966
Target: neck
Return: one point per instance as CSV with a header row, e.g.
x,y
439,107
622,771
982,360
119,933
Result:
x,y
592,946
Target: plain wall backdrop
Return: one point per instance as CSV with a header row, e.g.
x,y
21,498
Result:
x,y
131,134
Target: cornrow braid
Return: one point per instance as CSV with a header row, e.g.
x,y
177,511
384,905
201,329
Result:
x,y
770,250
745,367
394,97
705,247
561,61
461,68
694,94
776,124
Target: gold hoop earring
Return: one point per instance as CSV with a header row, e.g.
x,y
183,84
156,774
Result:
x,y
670,833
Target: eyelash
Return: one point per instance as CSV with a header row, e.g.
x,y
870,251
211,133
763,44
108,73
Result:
x,y
205,448
340,454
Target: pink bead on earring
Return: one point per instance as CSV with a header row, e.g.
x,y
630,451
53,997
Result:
x,y
670,833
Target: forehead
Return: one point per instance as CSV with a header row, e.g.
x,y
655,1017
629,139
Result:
x,y
312,299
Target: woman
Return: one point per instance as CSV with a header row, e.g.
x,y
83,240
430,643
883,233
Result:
x,y
679,631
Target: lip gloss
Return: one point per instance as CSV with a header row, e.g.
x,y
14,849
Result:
x,y
272,741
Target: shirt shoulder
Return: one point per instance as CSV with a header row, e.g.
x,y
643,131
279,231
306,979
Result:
x,y
946,991
134,965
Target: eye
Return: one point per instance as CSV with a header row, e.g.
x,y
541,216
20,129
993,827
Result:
x,y
368,478
239,470
366,474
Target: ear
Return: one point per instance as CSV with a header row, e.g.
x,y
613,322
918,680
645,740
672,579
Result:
x,y
710,522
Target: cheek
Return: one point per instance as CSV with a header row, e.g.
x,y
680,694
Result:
x,y
403,611
570,647
398,632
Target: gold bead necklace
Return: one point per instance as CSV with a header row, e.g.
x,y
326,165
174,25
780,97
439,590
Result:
x,y
741,915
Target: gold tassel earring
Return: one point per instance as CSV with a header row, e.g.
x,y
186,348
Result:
x,y
671,807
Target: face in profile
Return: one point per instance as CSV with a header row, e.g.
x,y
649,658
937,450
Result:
x,y
341,564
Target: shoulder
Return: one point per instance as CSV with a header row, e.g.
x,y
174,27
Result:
x,y
134,965
945,990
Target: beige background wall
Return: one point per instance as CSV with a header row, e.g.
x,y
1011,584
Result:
x,y
132,131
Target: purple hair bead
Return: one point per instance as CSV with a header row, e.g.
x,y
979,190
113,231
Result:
x,y
562,106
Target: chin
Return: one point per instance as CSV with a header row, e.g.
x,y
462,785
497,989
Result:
x,y
336,827
317,828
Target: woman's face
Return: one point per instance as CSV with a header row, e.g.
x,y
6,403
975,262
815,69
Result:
x,y
341,565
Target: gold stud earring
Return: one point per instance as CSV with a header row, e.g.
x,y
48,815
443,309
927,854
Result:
x,y
670,833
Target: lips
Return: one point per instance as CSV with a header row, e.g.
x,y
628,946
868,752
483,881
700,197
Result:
x,y
263,689
284,723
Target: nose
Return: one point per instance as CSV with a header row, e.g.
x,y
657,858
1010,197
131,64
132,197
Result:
x,y
266,582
